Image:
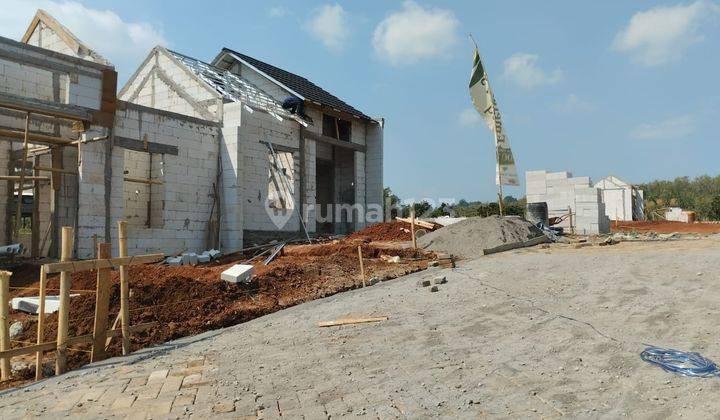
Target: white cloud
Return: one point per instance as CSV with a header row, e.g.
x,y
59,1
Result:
x,y
522,69
329,24
278,12
572,104
125,44
662,34
415,33
469,117
674,128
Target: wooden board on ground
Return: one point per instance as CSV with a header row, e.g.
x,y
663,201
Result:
x,y
421,223
350,321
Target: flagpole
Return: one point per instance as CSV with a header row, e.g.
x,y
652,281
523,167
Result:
x,y
497,153
499,175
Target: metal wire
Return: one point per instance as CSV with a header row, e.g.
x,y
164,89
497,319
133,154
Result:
x,y
680,362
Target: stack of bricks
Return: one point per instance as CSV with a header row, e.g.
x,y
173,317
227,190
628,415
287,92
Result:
x,y
562,192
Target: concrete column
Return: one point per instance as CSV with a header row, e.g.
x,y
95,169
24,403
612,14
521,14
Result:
x,y
91,192
374,171
231,225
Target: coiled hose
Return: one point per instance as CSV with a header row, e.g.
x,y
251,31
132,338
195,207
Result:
x,y
680,362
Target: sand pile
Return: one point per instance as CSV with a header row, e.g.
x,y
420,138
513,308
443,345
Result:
x,y
472,236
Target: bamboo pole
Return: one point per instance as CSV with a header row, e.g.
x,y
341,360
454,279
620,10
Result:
x,y
102,305
4,326
21,183
412,228
41,324
64,310
362,267
124,289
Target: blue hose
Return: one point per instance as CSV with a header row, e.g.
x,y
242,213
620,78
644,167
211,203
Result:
x,y
680,362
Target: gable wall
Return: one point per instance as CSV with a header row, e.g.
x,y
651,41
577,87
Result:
x,y
157,94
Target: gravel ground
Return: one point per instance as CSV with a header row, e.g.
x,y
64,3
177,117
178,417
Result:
x,y
539,332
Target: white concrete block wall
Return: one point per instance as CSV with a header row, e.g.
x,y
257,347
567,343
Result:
x,y
186,195
360,221
257,127
310,185
29,81
562,192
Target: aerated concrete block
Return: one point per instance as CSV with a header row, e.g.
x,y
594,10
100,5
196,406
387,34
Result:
x,y
238,273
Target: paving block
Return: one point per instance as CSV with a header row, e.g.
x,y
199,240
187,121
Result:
x,y
434,289
440,280
203,258
423,283
214,253
238,273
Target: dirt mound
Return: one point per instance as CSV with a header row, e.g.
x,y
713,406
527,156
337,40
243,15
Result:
x,y
385,231
470,237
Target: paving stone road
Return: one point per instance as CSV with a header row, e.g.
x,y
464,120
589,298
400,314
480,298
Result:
x,y
530,333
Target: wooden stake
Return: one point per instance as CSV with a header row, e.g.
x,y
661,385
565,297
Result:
x,y
124,289
412,228
102,305
362,268
41,324
21,186
64,310
349,321
4,323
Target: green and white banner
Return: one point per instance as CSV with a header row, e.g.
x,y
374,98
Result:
x,y
486,105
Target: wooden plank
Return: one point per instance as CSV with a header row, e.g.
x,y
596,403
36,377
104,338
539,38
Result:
x,y
143,181
124,288
334,142
4,323
86,265
64,310
102,306
350,321
35,226
421,223
42,107
139,146
21,181
362,267
26,178
40,324
52,345
58,170
34,137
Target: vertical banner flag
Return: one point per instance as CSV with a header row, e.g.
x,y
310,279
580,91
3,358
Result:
x,y
484,101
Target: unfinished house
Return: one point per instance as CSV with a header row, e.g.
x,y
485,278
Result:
x,y
572,199
325,164
623,201
192,155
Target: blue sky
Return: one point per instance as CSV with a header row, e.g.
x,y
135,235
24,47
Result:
x,y
596,88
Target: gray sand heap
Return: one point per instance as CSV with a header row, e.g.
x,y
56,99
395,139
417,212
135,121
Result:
x,y
472,236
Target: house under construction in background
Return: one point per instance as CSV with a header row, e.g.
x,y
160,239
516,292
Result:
x,y
192,154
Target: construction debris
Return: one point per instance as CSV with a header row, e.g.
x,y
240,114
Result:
x,y
14,249
238,273
31,304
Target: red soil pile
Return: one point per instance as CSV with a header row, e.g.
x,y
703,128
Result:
x,y
385,231
665,227
186,300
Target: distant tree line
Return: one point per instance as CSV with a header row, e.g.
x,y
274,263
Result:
x,y
701,194
462,208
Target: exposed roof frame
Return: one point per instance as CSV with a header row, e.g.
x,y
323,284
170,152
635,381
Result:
x,y
262,73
